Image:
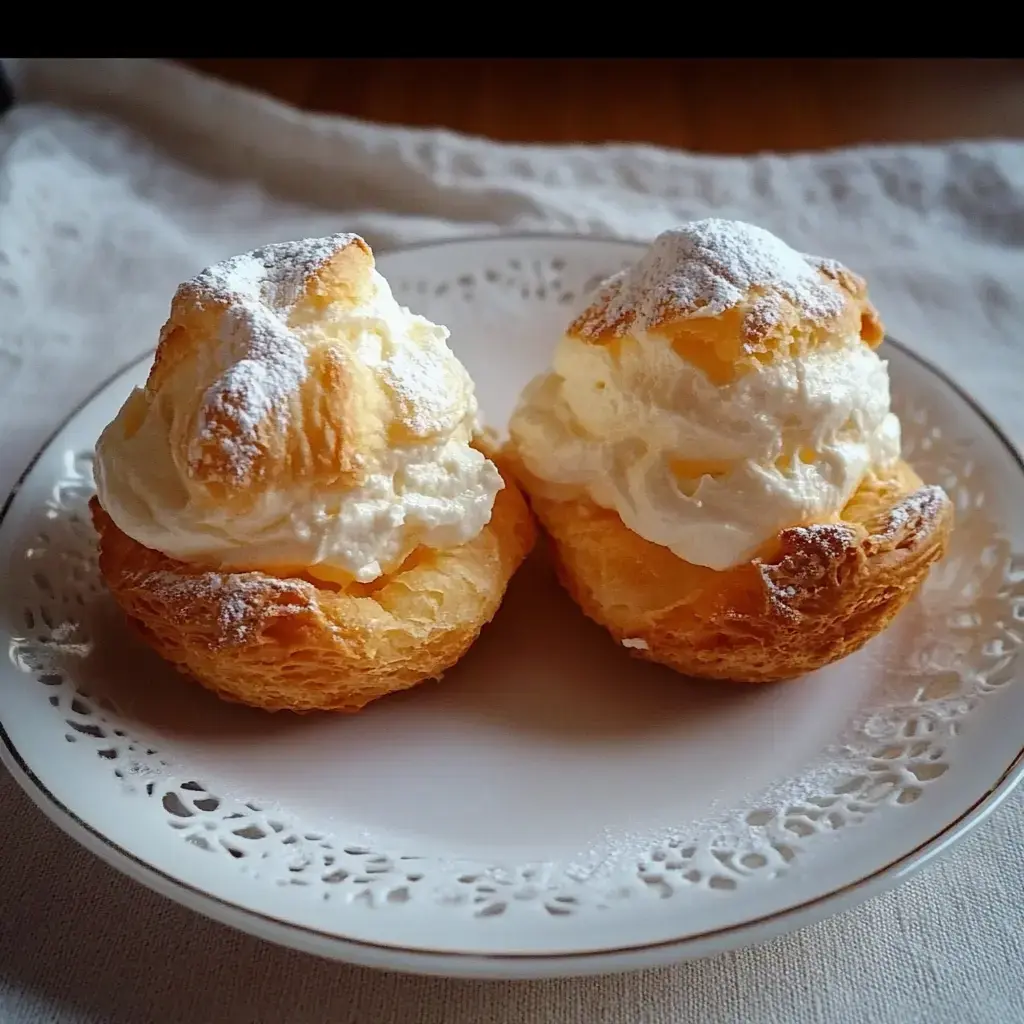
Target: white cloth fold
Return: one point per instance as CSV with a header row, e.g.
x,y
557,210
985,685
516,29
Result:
x,y
118,178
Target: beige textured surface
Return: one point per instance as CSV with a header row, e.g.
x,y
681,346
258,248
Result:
x,y
93,218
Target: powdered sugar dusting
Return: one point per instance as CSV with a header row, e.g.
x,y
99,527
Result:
x,y
421,378
240,602
763,315
809,550
923,507
832,537
265,362
705,268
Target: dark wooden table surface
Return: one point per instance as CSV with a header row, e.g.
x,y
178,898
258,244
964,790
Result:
x,y
712,105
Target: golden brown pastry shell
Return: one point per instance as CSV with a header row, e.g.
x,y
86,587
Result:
x,y
297,644
815,594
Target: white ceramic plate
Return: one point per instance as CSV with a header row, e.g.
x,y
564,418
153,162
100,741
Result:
x,y
551,807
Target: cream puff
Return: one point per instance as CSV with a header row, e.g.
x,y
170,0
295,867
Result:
x,y
714,458
296,510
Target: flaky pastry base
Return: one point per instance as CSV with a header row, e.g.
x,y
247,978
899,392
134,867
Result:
x,y
817,594
296,644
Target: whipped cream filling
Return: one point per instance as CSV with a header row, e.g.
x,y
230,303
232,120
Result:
x,y
430,487
710,472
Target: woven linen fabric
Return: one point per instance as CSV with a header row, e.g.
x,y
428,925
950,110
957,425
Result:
x,y
119,178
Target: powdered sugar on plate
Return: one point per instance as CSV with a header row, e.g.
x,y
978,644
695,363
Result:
x,y
703,269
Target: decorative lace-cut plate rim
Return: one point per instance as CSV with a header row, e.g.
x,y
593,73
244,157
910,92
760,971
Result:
x,y
511,964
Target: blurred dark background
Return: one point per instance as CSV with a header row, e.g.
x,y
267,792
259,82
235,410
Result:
x,y
710,105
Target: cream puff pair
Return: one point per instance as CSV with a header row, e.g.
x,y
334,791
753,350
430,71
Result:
x,y
298,509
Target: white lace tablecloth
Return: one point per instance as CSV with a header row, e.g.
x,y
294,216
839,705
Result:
x,y
120,178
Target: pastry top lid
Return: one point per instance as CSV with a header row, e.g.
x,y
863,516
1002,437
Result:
x,y
759,287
